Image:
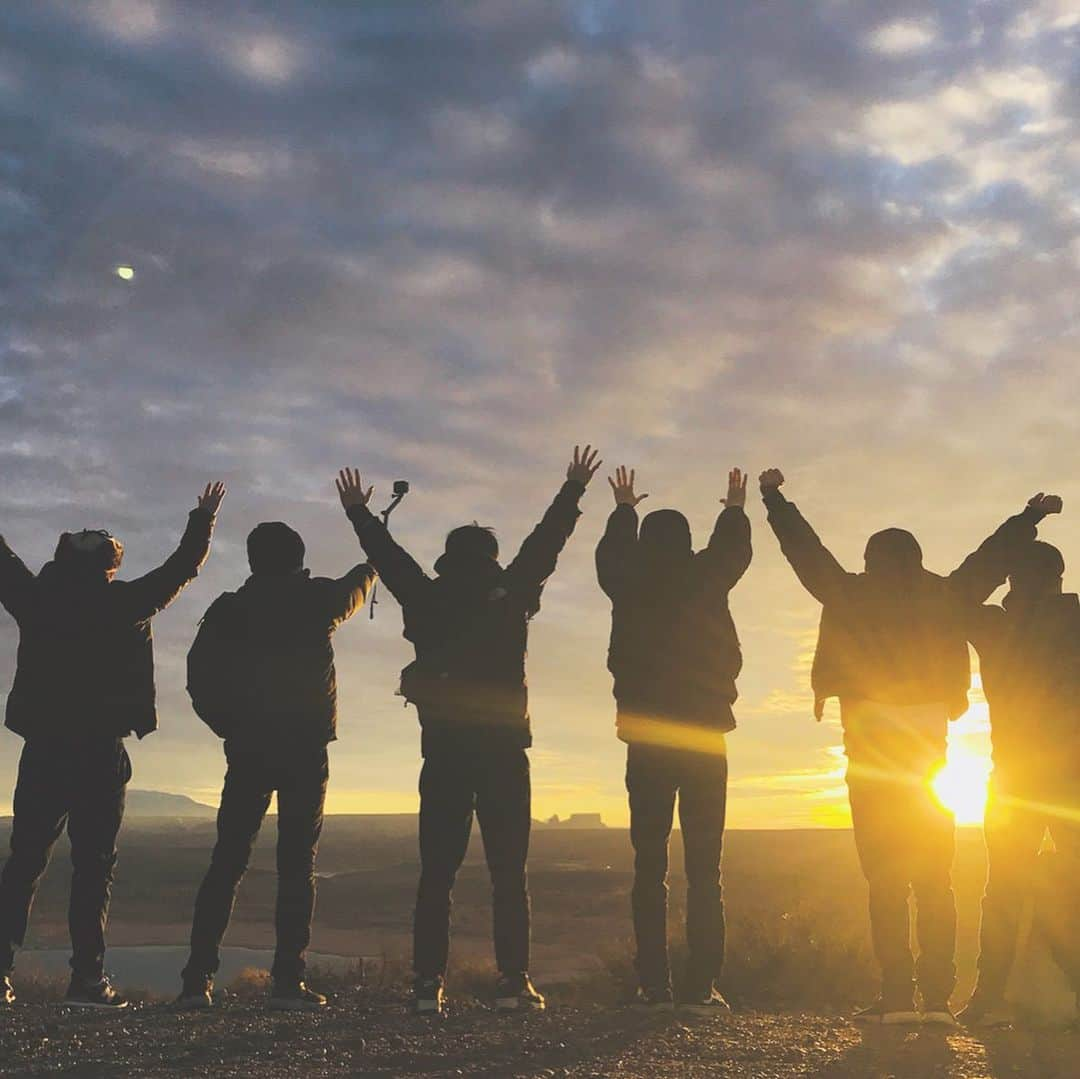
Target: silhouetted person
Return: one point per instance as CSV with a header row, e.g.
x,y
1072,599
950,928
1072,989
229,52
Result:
x,y
1029,658
469,626
261,675
83,683
675,655
893,647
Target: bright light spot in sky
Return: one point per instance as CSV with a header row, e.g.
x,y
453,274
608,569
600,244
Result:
x,y
126,273
961,785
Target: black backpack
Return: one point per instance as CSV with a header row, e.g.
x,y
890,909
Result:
x,y
212,662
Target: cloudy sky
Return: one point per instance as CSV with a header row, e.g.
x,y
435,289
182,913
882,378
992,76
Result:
x,y
445,242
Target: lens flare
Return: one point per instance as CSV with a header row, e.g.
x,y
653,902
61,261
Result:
x,y
960,786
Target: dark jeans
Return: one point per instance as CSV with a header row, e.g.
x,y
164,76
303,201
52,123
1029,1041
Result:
x,y
83,787
906,841
494,784
1014,827
300,780
654,776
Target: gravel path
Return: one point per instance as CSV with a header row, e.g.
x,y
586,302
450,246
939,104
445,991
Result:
x,y
364,1034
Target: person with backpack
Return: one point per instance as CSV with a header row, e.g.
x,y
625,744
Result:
x,y
84,681
892,647
261,676
1029,661
469,626
675,655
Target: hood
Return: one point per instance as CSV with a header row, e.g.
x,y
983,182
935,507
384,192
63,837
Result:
x,y
893,553
664,539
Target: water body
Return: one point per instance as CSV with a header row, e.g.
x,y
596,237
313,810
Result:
x,y
156,968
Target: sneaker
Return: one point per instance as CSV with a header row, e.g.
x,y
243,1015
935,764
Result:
x,y
429,997
658,997
197,995
100,994
893,1014
7,990
710,1002
515,992
985,1012
937,1013
294,996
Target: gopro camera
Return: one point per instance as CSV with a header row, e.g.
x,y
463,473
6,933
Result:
x,y
401,487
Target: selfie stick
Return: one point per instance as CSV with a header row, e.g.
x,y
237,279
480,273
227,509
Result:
x,y
401,489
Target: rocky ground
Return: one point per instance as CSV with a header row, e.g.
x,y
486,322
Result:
x,y
367,1033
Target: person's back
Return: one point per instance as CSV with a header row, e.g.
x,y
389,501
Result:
x,y
1029,661
469,628
261,675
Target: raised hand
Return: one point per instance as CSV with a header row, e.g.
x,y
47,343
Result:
x,y
622,486
350,490
210,499
1045,504
584,465
736,488
770,479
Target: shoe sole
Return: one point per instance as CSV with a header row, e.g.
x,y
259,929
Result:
x,y
512,1004
889,1019
939,1019
294,1006
96,1007
704,1009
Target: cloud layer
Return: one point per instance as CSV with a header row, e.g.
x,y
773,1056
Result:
x,y
449,243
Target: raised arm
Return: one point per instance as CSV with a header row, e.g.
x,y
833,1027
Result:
x,y
346,595
145,596
987,567
615,551
536,559
397,569
16,581
820,573
727,556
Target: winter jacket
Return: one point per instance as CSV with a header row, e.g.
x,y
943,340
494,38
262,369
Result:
x,y
1029,660
674,652
887,640
85,665
270,679
469,626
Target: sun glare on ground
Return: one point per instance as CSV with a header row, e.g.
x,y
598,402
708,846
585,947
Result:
x,y
961,785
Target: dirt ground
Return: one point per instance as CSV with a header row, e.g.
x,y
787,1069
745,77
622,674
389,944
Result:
x,y
369,1034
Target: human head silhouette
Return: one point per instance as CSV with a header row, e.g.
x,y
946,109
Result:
x,y
92,552
1036,572
892,553
665,537
275,549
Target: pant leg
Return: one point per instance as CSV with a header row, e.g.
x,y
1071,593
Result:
x,y
702,810
1057,916
1012,835
245,798
877,813
301,798
504,812
932,844
447,799
39,814
99,781
651,787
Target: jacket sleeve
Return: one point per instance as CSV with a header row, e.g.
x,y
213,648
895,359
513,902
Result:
x,y
397,569
820,573
16,581
146,595
346,595
986,568
727,556
535,562
615,551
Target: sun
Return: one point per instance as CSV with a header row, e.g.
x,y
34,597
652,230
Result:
x,y
960,786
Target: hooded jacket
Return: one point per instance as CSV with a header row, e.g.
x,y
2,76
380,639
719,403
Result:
x,y
85,666
1029,660
272,680
469,627
897,633
674,652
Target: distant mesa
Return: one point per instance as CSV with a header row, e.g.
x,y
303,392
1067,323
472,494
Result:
x,y
576,820
162,804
